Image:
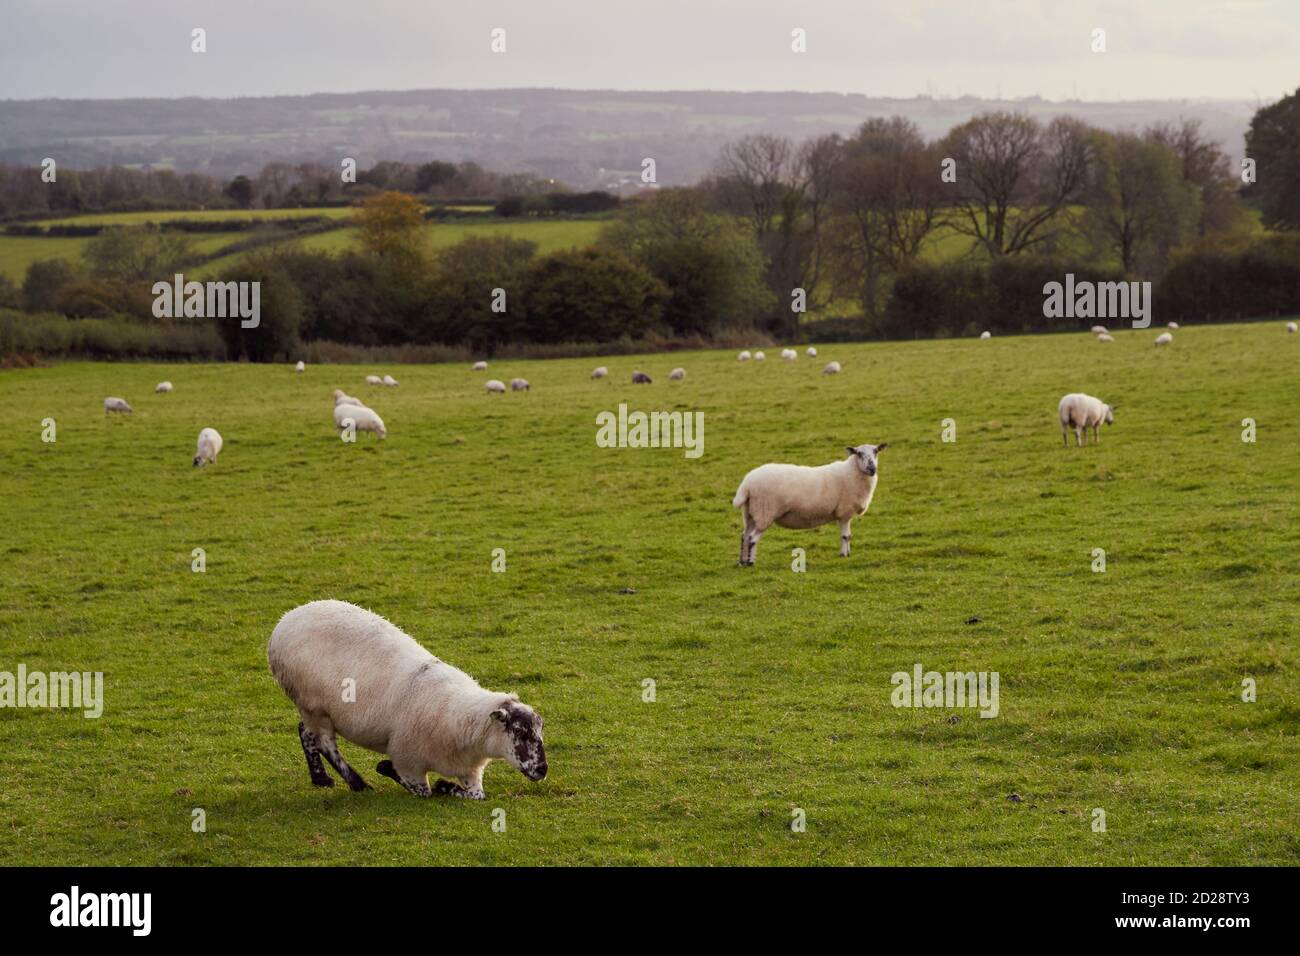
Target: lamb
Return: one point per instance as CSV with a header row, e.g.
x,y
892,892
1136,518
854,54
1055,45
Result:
x,y
677,373
519,385
209,447
1164,338
300,367
796,496
1105,337
342,398
389,381
112,404
832,368
420,712
480,366
1081,412
744,356
1290,326
374,380
986,334
789,355
1174,326
640,378
812,352
1099,330
362,418
759,356
162,387
599,372
493,385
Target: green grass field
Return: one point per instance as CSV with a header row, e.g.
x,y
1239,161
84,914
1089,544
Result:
x,y
1119,690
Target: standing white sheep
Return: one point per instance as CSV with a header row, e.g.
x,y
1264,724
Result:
x,y
112,404
1099,330
812,352
162,387
677,373
1105,337
389,381
300,367
1081,412
744,356
986,335
789,355
759,357
797,496
1164,338
493,385
209,447
1290,326
599,372
424,714
363,419
832,368
1174,326
480,366
519,385
374,380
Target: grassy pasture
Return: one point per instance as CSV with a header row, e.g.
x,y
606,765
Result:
x,y
1119,690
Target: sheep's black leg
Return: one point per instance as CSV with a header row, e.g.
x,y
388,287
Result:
x,y
420,788
311,749
331,751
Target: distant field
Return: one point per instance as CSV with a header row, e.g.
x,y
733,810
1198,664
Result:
x,y
140,218
1119,691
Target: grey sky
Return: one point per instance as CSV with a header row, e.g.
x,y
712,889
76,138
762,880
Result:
x,y
1155,48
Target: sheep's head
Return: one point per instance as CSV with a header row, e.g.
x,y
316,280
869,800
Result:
x,y
1110,414
865,456
521,728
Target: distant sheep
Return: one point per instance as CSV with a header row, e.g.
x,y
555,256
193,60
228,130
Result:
x,y
811,352
209,447
162,387
599,372
374,380
300,367
677,373
1080,412
1174,326
832,368
986,335
480,366
363,419
1105,337
519,385
789,355
744,356
493,385
1099,330
640,378
424,714
116,405
342,398
797,496
389,381
1164,338
759,356
1290,326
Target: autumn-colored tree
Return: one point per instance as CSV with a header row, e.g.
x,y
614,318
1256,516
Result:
x,y
390,224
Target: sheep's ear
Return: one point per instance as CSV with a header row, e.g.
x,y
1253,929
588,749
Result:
x,y
850,449
881,447
498,714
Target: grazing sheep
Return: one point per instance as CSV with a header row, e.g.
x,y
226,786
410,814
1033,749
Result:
x,y
374,380
677,373
599,372
519,385
640,378
389,381
796,496
759,356
209,447
1174,326
789,355
986,335
342,398
812,352
480,366
300,367
116,405
1105,337
162,387
494,385
744,356
1164,338
421,712
1081,412
1099,330
364,419
832,368
1290,326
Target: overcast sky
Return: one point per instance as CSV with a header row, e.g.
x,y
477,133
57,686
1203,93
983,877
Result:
x,y
1155,48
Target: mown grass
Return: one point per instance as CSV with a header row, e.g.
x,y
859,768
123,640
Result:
x,y
1119,691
